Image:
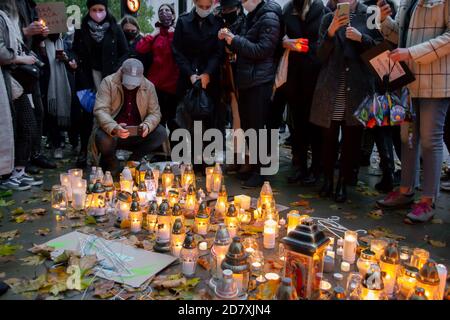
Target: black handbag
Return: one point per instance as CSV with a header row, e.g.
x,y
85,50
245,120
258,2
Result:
x,y
197,103
27,75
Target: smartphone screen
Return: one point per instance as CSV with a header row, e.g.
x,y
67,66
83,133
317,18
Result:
x,y
133,130
343,9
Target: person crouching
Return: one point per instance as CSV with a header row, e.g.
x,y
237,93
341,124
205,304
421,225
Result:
x,y
127,115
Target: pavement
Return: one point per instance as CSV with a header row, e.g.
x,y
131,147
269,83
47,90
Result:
x,y
353,215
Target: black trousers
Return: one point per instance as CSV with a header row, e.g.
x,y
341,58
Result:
x,y
168,104
305,135
25,130
254,105
140,147
350,149
39,117
277,108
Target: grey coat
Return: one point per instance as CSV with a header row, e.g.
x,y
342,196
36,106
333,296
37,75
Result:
x,y
339,54
6,121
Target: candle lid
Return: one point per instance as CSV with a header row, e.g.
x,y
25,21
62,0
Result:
x,y
149,175
135,206
176,210
338,276
368,254
135,196
189,241
306,238
167,169
419,294
163,208
340,242
177,227
153,207
339,293
428,273
236,257
201,213
231,211
345,266
141,186
390,254
98,187
410,271
124,197
222,237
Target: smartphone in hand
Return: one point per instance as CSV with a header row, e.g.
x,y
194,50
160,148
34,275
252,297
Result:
x,y
133,130
343,9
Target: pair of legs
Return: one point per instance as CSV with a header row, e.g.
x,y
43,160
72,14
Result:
x,y
428,131
254,105
140,147
351,142
350,149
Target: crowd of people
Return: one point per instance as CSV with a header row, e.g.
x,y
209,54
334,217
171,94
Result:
x,y
234,51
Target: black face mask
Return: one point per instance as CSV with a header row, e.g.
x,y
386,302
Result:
x,y
130,35
230,17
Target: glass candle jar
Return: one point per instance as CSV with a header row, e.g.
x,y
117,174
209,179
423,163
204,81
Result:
x,y
378,246
365,259
419,257
350,244
270,227
293,220
59,200
209,178
65,180
406,281
79,194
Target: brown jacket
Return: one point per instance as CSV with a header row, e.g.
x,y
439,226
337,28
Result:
x,y
109,101
428,41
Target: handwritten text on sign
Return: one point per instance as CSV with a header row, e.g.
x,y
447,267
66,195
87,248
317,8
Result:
x,y
54,15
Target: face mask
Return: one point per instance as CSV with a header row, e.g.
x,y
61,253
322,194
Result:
x,y
129,87
130,35
202,13
250,5
230,17
165,18
98,16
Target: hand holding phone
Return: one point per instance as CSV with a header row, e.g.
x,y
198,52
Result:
x,y
133,130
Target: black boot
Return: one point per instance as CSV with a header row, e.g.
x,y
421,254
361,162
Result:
x,y
341,191
386,184
327,188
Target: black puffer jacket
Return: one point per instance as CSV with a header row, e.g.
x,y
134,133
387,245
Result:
x,y
256,47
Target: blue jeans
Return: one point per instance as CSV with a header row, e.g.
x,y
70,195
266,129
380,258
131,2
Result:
x,y
428,129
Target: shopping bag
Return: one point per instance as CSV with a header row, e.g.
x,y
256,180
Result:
x,y
197,103
87,99
282,71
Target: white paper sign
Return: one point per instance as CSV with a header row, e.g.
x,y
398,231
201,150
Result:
x,y
384,65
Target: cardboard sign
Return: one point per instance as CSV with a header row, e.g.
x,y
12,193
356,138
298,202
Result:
x,y
54,15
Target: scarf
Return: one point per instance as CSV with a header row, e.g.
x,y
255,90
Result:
x,y
98,31
59,94
15,35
